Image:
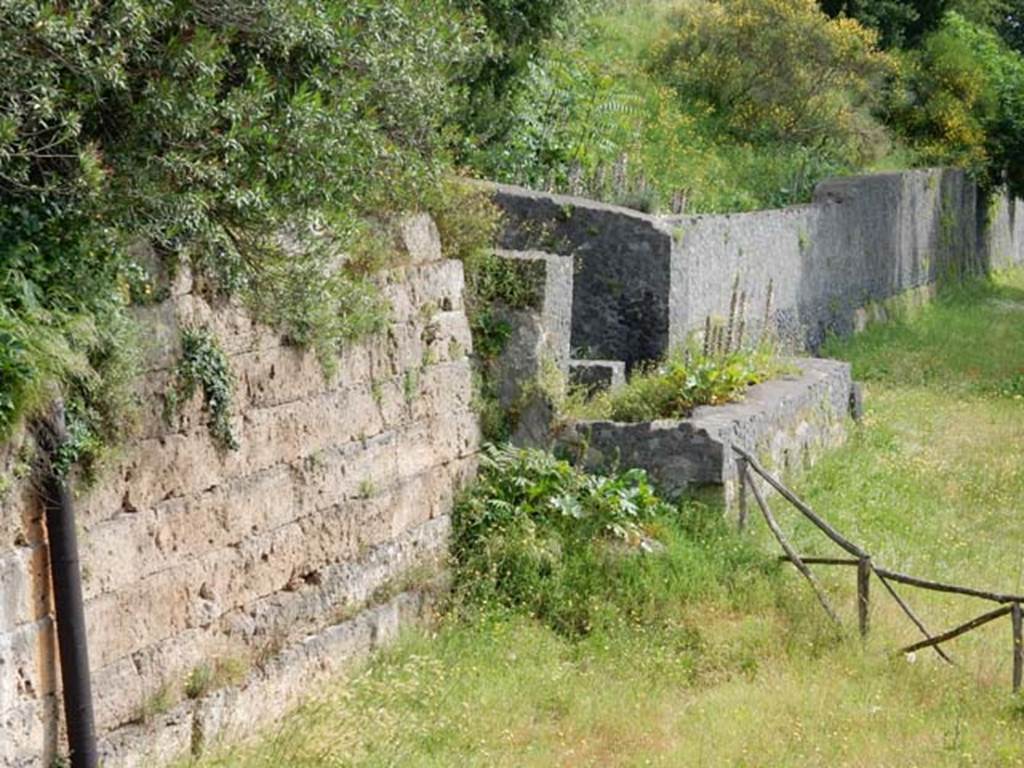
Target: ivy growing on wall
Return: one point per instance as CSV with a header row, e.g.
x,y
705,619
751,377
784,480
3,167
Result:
x,y
205,367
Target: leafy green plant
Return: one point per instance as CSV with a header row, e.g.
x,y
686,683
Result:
x,y
674,388
579,551
204,366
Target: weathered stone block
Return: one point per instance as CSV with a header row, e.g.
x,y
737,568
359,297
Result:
x,y
787,422
621,293
597,375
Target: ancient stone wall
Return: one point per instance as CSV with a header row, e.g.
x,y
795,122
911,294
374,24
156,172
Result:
x,y
239,578
787,422
865,246
622,264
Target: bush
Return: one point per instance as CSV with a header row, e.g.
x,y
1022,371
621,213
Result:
x,y
258,141
961,103
780,71
514,33
905,22
583,552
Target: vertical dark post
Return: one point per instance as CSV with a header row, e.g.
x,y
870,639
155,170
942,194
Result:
x,y
1018,647
67,597
864,595
741,470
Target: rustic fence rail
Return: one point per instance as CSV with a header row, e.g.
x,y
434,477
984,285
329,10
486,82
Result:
x,y
1009,605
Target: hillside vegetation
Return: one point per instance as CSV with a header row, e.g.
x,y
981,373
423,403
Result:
x,y
141,137
566,644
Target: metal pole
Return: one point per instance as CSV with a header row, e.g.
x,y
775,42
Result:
x,y
69,609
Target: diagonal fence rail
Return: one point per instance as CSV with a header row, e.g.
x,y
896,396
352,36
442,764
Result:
x,y
1009,605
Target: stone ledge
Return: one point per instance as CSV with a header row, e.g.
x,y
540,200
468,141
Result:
x,y
787,422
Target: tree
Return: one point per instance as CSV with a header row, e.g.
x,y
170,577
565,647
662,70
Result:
x,y
962,102
779,71
904,23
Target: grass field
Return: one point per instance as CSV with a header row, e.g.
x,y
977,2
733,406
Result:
x,y
742,669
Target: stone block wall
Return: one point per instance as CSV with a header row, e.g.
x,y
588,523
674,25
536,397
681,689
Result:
x,y
644,284
538,337
621,264
268,566
787,422
864,245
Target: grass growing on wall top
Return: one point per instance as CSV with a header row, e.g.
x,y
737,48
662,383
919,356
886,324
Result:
x,y
672,389
742,670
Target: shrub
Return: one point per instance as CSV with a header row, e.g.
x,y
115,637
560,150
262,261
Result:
x,y
779,70
258,141
582,552
961,103
673,389
905,22
514,33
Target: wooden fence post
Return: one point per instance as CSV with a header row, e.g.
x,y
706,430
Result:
x,y
741,470
864,570
1018,648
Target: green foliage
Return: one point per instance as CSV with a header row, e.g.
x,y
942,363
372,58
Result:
x,y
897,21
204,366
64,332
576,551
469,224
256,141
905,22
596,117
674,388
961,102
780,71
514,33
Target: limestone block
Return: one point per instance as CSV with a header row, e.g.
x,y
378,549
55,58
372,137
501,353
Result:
x,y
27,663
552,275
30,733
24,586
421,239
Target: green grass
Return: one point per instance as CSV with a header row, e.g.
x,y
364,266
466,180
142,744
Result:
x,y
741,669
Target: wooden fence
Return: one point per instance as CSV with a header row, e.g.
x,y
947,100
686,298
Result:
x,y
866,567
